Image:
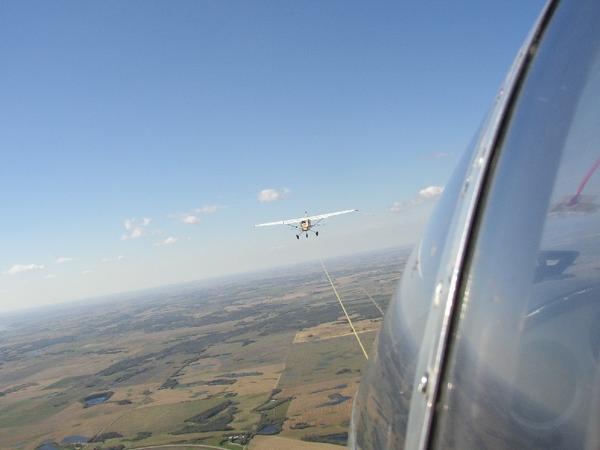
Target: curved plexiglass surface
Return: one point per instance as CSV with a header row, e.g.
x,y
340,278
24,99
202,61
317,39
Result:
x,y
524,367
380,412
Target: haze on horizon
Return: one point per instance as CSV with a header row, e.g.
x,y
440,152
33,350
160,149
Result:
x,y
140,141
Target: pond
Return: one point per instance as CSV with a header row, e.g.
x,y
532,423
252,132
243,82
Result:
x,y
335,399
75,439
47,446
269,429
96,399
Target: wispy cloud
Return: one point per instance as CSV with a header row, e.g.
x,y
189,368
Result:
x,y
193,217
117,258
86,272
426,194
135,228
190,219
63,259
168,241
207,209
49,276
431,192
398,207
20,268
271,195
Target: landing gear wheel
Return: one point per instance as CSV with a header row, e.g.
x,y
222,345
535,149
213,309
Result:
x,y
316,233
307,235
297,237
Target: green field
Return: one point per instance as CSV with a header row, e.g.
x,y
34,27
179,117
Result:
x,y
312,362
209,364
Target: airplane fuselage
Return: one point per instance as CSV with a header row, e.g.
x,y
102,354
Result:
x,y
307,223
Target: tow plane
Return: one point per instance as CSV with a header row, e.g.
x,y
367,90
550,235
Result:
x,y
306,223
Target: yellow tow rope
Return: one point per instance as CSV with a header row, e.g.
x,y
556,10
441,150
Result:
x,y
374,302
344,309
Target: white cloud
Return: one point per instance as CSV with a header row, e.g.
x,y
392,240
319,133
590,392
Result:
x,y
137,232
193,217
168,241
426,194
86,272
398,206
63,259
49,276
19,268
136,228
190,219
118,258
431,192
271,195
207,209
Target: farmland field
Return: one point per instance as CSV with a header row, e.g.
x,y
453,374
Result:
x,y
263,361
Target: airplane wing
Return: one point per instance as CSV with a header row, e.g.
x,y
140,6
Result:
x,y
331,214
311,218
282,222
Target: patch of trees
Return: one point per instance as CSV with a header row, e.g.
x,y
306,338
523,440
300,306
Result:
x,y
216,418
106,436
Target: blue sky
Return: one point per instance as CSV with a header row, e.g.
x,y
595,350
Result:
x,y
130,110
